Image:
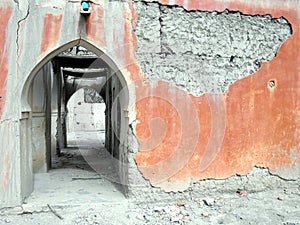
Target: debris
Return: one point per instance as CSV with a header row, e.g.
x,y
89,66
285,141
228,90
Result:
x,y
180,203
159,209
177,219
26,212
242,193
184,212
145,218
54,212
174,213
28,209
219,198
205,214
209,201
172,210
17,210
238,216
217,209
140,217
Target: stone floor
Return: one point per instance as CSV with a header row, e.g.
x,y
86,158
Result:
x,y
84,173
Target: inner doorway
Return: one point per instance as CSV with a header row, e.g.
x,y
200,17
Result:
x,y
85,114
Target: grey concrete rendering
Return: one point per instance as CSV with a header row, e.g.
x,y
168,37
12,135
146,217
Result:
x,y
217,48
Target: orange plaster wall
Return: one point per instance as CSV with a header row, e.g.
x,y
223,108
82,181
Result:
x,y
5,12
51,31
250,125
94,25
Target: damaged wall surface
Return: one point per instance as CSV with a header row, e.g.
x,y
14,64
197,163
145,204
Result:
x,y
201,51
254,123
213,86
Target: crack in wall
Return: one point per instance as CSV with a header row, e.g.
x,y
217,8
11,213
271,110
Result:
x,y
202,51
19,25
160,29
8,121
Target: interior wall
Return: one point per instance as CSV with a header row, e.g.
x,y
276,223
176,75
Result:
x,y
118,127
38,120
84,116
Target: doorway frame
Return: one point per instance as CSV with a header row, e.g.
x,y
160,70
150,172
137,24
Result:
x,y
27,177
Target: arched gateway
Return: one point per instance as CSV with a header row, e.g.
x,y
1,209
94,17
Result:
x,y
42,122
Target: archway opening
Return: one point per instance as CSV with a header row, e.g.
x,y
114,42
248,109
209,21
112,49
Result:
x,y
83,132
85,114
78,120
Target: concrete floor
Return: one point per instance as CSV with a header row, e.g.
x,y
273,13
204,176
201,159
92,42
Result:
x,y
93,198
84,174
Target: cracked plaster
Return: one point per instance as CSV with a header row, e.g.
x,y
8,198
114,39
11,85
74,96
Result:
x,y
201,51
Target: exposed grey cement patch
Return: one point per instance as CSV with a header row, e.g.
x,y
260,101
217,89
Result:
x,y
136,179
258,180
202,51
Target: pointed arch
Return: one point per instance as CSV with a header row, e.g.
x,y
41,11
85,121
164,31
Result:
x,y
89,46
116,135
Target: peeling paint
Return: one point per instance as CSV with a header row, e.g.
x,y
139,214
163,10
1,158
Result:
x,y
95,26
6,12
7,168
51,31
257,122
